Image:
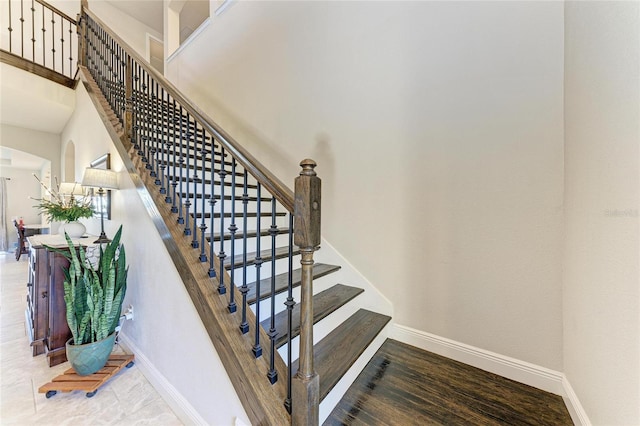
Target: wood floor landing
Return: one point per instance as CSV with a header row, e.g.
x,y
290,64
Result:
x,y
404,385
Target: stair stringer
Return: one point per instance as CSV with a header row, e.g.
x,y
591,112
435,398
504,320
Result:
x,y
262,401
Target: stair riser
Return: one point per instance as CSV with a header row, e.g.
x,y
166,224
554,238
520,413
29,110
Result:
x,y
319,284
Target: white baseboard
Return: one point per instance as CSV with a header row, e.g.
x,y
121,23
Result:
x,y
578,415
511,368
180,406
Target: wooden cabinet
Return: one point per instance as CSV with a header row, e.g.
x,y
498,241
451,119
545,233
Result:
x,y
46,314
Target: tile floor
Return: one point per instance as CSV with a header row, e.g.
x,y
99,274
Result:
x,y
126,399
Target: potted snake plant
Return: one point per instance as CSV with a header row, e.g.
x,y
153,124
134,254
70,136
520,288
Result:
x,y
93,294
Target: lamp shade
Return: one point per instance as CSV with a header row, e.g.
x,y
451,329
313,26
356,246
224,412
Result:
x,y
100,178
70,188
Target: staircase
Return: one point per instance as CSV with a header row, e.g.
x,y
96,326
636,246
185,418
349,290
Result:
x,y
231,226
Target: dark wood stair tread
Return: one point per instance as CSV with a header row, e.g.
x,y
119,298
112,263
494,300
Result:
x,y
324,303
266,255
319,270
337,352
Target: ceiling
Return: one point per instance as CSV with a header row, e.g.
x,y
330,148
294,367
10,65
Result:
x,y
12,158
149,12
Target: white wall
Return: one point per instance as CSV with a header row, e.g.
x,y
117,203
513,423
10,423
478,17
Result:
x,y
602,181
20,188
41,144
166,329
438,130
132,31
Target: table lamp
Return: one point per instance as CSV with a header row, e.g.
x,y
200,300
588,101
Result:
x,y
101,179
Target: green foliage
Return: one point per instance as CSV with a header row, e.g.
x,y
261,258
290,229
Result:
x,y
67,211
94,297
61,208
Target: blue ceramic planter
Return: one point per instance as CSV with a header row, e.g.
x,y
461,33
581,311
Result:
x,y
88,358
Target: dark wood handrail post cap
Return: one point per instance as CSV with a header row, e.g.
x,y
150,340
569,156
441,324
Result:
x,y
308,166
307,206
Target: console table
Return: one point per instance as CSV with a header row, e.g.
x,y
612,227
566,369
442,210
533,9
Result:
x,y
46,313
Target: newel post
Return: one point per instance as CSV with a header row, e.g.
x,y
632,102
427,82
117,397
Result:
x,y
306,383
82,33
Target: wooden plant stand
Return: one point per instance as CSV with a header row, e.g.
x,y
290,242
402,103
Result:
x,y
70,381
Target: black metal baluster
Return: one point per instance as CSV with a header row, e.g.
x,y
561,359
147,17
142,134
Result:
x,y
257,349
62,44
290,303
232,230
244,325
187,228
145,109
171,180
157,135
180,219
135,107
194,242
221,254
70,50
53,41
33,31
273,230
164,153
212,207
203,225
44,62
21,26
10,29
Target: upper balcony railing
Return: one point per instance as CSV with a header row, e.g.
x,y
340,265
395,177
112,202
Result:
x,y
44,37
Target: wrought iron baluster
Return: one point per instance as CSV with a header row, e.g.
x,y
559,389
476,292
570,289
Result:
x,y
272,375
53,41
164,153
244,325
290,303
44,62
257,349
33,31
203,224
174,183
62,44
190,187
135,106
232,230
180,219
146,140
10,29
212,205
194,242
221,254
70,50
21,26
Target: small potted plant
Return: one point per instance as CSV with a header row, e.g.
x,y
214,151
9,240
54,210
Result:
x,y
65,208
93,294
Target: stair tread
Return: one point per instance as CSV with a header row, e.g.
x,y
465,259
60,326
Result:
x,y
337,352
324,303
281,252
319,270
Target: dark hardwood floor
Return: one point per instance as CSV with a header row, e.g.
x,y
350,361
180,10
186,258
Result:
x,y
404,385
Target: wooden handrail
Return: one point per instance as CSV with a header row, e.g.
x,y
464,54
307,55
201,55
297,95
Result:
x,y
268,180
57,11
